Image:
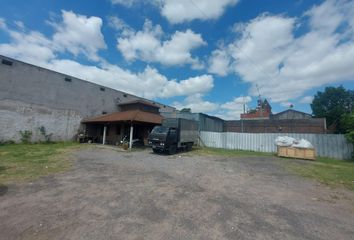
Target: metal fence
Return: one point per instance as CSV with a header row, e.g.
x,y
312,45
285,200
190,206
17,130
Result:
x,y
326,145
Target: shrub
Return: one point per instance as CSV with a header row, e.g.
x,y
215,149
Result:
x,y
47,137
26,136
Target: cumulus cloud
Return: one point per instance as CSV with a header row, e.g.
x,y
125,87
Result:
x,y
31,47
126,3
229,110
268,54
197,104
35,48
219,62
2,23
149,83
232,110
147,45
79,34
120,25
306,99
180,11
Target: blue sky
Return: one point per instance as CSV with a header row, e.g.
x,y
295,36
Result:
x,y
210,55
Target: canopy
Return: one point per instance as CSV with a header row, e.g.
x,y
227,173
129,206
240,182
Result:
x,y
133,115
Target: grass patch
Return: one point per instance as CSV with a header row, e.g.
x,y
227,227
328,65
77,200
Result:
x,y
325,170
227,152
24,162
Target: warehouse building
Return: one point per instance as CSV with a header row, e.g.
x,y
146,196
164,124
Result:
x,y
34,98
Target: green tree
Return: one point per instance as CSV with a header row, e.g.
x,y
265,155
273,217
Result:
x,y
347,121
332,104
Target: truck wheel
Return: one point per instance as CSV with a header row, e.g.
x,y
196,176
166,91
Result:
x,y
172,149
189,146
155,150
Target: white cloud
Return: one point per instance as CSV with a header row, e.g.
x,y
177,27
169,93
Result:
x,y
237,103
148,83
178,11
20,24
219,62
79,34
120,25
147,45
306,99
32,47
232,110
190,86
126,3
283,65
228,110
286,104
196,104
2,23
35,48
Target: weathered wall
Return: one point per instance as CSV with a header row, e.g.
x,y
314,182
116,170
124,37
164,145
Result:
x,y
16,116
313,125
36,88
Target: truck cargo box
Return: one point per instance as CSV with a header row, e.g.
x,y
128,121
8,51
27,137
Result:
x,y
188,129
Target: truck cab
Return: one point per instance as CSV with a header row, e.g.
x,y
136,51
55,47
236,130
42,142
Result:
x,y
174,134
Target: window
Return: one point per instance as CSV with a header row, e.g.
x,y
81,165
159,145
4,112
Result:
x,y
6,62
67,79
102,89
125,95
173,131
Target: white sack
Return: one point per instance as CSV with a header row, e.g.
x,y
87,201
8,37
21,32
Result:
x,y
284,141
302,143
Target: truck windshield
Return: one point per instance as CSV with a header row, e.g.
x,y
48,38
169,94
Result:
x,y
159,129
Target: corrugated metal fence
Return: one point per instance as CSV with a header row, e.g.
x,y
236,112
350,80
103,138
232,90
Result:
x,y
326,145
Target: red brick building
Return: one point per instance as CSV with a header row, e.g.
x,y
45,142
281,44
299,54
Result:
x,y
262,120
263,111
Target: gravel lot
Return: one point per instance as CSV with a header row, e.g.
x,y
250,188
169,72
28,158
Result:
x,y
139,195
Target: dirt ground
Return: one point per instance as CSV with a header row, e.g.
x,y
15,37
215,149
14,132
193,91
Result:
x,y
140,195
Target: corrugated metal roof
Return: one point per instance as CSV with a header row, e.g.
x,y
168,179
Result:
x,y
133,115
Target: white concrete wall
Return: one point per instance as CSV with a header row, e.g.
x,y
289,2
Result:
x,y
18,116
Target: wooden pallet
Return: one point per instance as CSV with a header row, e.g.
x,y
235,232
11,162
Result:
x,y
301,153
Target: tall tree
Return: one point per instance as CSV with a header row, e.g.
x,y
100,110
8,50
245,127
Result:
x,y
332,104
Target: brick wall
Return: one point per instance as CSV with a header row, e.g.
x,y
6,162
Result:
x,y
313,125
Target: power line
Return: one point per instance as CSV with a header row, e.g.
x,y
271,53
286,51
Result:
x,y
205,15
248,58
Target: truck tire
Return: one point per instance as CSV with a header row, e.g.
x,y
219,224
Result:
x,y
172,149
155,150
189,146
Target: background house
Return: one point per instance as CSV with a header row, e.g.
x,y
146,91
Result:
x,y
262,111
262,120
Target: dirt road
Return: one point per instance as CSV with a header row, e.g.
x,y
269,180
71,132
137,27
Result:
x,y
140,195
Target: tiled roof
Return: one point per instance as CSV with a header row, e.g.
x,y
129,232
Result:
x,y
133,115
